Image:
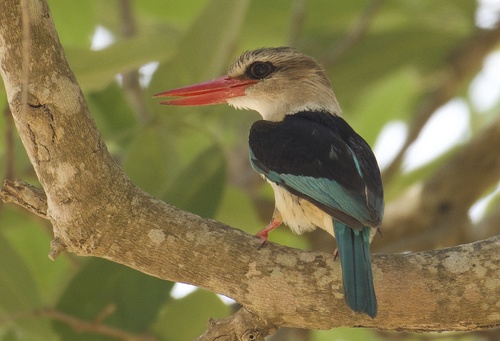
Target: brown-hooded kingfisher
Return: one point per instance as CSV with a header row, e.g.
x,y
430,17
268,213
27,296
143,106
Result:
x,y
322,172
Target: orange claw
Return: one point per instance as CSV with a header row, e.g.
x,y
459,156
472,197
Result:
x,y
263,234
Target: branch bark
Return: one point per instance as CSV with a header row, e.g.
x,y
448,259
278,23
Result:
x,y
96,211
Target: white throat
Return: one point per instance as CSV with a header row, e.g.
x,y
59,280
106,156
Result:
x,y
277,110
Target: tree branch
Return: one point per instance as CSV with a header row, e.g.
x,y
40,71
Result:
x,y
79,325
475,168
31,198
354,35
243,325
130,79
95,210
9,143
462,64
296,22
95,327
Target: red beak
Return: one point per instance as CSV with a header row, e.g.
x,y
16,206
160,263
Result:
x,y
214,91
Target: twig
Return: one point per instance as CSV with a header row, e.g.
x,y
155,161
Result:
x,y
131,79
79,325
463,63
9,143
297,21
243,325
354,35
437,210
31,198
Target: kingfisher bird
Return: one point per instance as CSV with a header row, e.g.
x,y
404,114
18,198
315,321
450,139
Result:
x,y
322,172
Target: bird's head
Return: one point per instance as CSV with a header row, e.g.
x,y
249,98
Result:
x,y
273,81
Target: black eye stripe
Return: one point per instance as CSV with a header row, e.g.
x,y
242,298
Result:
x,y
260,70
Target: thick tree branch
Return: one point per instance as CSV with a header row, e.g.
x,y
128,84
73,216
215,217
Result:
x,y
95,210
489,225
284,286
445,197
462,64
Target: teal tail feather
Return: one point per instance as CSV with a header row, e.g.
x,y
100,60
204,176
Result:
x,y
357,278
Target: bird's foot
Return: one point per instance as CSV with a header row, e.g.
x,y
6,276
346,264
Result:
x,y
263,238
335,254
263,234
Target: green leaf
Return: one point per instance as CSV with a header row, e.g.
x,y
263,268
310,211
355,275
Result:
x,y
18,291
403,180
186,318
75,21
378,105
180,13
19,295
151,159
32,329
202,53
137,298
96,69
112,112
384,52
28,236
237,210
200,185
204,50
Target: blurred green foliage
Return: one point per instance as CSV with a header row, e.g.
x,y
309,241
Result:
x,y
182,154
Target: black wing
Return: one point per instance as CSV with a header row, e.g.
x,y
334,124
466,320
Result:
x,y
319,157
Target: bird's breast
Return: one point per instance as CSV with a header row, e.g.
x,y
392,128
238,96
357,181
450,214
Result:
x,y
299,214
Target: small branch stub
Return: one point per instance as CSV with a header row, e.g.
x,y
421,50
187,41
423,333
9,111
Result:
x,y
241,326
56,248
31,198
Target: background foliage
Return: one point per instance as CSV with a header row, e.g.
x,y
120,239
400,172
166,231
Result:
x,y
384,58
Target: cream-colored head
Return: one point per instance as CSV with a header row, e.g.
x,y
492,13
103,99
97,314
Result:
x,y
273,81
288,82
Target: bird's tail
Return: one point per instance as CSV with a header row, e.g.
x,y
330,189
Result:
x,y
354,252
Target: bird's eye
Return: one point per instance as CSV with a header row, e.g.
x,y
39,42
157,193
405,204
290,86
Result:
x,y
259,70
